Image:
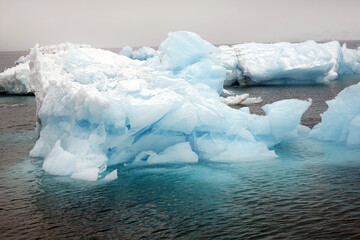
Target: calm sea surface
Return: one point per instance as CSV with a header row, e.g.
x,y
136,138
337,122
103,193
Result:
x,y
312,191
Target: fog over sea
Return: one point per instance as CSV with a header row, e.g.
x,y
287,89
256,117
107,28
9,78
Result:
x,y
312,191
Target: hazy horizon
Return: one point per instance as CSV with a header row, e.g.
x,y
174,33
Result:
x,y
114,24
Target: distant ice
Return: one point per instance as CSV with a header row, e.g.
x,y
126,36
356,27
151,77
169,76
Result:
x,y
15,80
244,64
252,100
141,54
235,100
289,63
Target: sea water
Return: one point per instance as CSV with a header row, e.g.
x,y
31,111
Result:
x,y
311,191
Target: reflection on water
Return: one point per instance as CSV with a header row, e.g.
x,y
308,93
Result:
x,y
311,191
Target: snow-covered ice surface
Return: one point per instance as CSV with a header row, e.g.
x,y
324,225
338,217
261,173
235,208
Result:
x,y
288,63
341,122
247,64
97,108
15,80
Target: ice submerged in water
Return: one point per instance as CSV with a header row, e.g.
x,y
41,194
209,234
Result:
x,y
96,108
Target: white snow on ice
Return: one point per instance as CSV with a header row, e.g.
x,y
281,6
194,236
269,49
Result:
x,y
250,63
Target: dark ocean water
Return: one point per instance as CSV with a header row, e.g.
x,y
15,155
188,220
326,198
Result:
x,y
312,191
319,94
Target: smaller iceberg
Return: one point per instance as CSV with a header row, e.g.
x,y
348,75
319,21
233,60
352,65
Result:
x,y
295,63
15,81
341,122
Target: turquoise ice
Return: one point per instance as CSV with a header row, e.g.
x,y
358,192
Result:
x,y
97,108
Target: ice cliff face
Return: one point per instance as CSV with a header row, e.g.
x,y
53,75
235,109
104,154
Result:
x,y
97,108
287,63
280,63
15,80
341,122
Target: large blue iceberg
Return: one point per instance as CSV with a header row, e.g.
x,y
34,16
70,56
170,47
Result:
x,y
96,108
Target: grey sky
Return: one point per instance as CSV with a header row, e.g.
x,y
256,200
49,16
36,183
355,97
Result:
x,y
111,23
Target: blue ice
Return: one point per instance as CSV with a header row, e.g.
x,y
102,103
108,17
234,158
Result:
x,y
341,122
96,108
250,63
287,63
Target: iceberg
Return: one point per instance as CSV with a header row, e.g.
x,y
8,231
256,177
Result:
x,y
96,108
341,122
294,63
15,81
245,64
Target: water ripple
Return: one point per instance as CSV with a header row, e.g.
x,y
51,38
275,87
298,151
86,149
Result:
x,y
311,195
